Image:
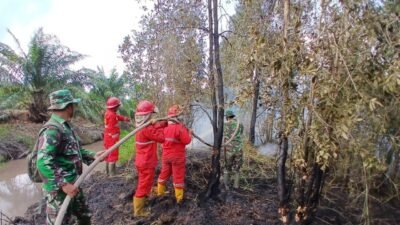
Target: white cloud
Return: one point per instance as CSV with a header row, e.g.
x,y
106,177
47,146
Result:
x,y
91,27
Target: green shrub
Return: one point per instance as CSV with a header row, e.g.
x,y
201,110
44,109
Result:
x,y
127,149
26,140
4,130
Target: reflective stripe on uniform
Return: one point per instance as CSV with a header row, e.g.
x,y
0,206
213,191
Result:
x,y
113,136
161,181
179,185
145,143
172,139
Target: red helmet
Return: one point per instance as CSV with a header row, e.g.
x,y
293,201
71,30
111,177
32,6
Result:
x,y
113,102
145,107
174,110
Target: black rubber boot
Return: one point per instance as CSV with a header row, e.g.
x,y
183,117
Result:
x,y
107,168
113,169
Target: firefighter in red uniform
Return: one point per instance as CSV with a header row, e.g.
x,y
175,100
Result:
x,y
112,132
146,153
177,136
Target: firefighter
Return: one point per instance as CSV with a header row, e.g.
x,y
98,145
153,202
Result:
x,y
146,153
177,136
112,132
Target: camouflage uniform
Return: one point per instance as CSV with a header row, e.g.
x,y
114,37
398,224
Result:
x,y
233,153
59,161
77,207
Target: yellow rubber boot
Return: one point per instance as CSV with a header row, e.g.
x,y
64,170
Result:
x,y
160,189
178,195
138,207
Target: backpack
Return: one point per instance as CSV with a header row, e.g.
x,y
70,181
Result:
x,y
33,171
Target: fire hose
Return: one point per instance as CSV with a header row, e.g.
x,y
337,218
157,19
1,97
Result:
x,y
82,177
223,145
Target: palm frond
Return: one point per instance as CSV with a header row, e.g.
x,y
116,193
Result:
x,y
14,97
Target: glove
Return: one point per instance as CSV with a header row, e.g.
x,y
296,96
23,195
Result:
x,y
98,154
70,189
160,124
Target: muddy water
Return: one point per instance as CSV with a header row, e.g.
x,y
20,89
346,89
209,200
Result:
x,y
17,191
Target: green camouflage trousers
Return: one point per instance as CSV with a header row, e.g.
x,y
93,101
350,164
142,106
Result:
x,y
233,162
77,212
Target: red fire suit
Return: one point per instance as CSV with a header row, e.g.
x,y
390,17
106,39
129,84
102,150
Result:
x,y
112,132
146,156
177,137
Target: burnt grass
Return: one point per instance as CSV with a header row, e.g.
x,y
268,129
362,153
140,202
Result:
x,y
110,200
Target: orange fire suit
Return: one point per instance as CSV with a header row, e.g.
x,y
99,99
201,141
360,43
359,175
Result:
x,y
177,137
146,156
112,132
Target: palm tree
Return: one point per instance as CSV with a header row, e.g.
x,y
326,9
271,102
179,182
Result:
x,y
107,86
43,69
104,86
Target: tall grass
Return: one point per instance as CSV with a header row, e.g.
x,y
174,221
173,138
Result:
x,y
126,150
8,131
4,130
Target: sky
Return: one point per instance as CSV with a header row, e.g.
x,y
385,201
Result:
x,y
91,27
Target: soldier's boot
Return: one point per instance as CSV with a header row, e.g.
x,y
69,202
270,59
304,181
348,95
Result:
x,y
113,170
226,180
138,207
107,169
160,189
236,178
178,195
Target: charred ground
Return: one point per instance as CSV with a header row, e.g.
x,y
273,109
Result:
x,y
110,200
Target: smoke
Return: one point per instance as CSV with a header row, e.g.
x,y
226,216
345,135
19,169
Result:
x,y
203,128
269,149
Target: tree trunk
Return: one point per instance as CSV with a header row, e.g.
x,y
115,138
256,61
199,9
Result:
x,y
394,165
211,68
281,173
312,196
283,192
213,181
252,136
219,82
308,157
38,107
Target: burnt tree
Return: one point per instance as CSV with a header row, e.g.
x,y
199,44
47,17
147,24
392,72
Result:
x,y
217,98
256,88
283,189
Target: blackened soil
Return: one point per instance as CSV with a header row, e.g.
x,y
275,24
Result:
x,y
110,201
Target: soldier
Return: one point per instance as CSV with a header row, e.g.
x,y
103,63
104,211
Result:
x,y
59,161
233,153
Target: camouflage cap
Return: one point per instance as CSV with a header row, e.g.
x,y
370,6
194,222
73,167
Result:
x,y
229,113
61,98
